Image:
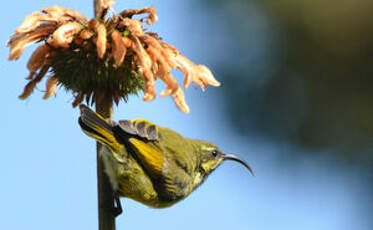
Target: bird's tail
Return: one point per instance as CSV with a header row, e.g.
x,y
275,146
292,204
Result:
x,y
95,126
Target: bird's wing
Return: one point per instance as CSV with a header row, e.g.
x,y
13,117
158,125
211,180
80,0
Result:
x,y
145,143
149,155
141,139
141,128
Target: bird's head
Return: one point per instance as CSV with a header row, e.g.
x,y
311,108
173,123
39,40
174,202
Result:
x,y
210,157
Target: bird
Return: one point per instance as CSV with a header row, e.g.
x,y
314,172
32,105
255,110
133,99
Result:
x,y
153,165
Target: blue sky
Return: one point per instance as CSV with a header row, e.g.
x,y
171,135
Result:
x,y
48,169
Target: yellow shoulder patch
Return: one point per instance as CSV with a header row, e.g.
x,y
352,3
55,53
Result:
x,y
149,155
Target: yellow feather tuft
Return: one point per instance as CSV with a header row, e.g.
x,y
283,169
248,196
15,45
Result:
x,y
151,157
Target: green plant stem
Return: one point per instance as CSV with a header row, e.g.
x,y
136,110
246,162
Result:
x,y
106,219
105,192
97,7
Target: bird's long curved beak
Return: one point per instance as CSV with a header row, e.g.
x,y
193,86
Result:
x,y
232,157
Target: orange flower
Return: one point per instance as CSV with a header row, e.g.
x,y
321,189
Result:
x,y
108,56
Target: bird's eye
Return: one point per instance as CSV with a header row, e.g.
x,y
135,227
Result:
x,y
214,153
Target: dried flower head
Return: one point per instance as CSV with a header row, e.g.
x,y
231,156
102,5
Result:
x,y
100,57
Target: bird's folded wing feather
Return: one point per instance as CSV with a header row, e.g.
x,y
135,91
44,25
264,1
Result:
x,y
142,138
141,128
149,155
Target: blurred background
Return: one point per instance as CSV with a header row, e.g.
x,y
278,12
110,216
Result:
x,y
295,102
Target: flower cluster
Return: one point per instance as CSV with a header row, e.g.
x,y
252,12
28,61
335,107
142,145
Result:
x,y
103,56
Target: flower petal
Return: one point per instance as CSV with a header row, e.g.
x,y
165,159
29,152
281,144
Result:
x,y
56,11
101,40
134,26
107,4
29,23
64,35
205,74
75,15
179,99
150,10
29,88
38,57
119,48
19,41
172,85
144,63
51,86
78,99
85,34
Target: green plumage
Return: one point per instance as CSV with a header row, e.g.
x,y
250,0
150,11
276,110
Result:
x,y
153,165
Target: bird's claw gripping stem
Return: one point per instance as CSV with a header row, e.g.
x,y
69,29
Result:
x,y
118,206
116,210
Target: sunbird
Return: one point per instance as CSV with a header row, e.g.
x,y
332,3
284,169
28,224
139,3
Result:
x,y
153,165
